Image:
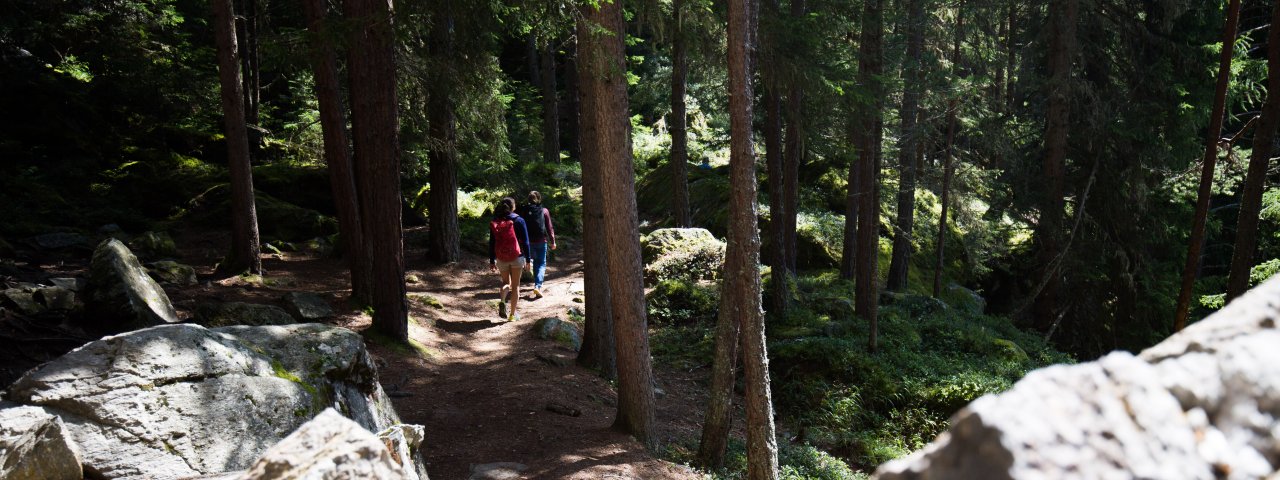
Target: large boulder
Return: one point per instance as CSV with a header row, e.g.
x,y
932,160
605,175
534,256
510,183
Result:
x,y
686,254
329,447
172,273
562,332
176,401
120,294
34,446
1203,404
277,219
154,245
240,313
307,306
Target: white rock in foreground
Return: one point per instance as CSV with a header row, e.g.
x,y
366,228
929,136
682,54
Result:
x,y
1203,404
34,446
329,447
181,400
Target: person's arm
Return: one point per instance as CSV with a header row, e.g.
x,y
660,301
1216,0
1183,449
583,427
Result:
x,y
522,236
551,231
493,255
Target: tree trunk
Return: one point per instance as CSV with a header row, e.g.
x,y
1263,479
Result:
x,y
371,65
1010,57
337,152
848,253
442,200
550,106
1196,242
998,85
605,107
911,138
253,81
598,349
1048,231
678,121
793,156
244,215
776,170
871,67
947,168
1256,178
572,102
740,300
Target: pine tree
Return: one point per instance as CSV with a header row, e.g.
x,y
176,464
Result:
x,y
244,215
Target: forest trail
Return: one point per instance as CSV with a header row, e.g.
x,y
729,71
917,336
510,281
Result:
x,y
483,391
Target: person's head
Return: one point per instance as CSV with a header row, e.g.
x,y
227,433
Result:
x,y
535,197
505,206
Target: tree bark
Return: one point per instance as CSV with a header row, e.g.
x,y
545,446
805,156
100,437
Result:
x,y
244,215
371,65
572,102
1256,177
550,105
871,67
947,168
678,121
907,149
740,300
848,253
598,349
443,237
605,107
1010,57
253,82
793,155
776,170
1196,242
337,152
1048,231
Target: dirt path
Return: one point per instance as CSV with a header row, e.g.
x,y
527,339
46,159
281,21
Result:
x,y
483,394
483,391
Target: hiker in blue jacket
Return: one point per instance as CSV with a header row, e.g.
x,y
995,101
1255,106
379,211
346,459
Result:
x,y
509,253
541,235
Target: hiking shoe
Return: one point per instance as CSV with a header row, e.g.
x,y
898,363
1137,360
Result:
x,y
537,292
515,317
502,308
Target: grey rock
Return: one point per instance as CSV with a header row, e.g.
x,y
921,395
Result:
x,y
240,313
154,245
405,443
74,284
56,298
24,301
963,299
121,294
565,333
34,446
177,401
497,471
1203,404
172,273
60,241
329,447
307,306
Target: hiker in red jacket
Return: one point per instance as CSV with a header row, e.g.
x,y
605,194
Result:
x,y
509,253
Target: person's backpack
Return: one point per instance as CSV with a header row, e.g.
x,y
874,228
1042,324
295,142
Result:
x,y
534,221
505,245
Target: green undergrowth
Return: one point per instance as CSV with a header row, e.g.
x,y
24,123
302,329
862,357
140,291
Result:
x,y
796,461
934,356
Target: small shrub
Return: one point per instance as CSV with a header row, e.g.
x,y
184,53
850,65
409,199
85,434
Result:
x,y
674,301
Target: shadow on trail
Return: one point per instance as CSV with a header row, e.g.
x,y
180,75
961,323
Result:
x,y
465,327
